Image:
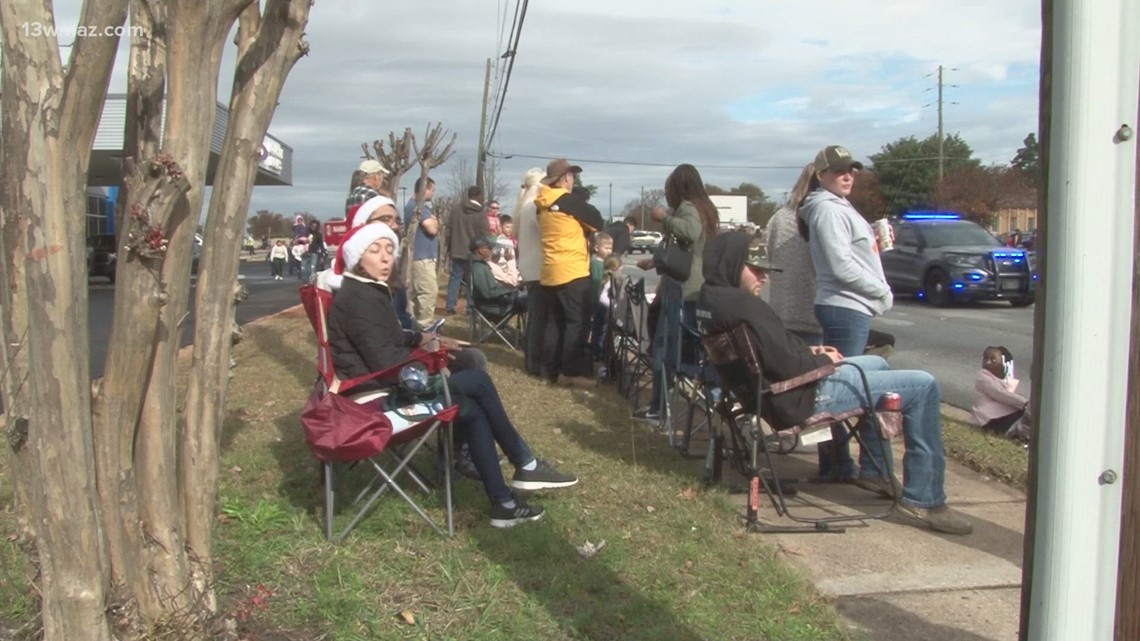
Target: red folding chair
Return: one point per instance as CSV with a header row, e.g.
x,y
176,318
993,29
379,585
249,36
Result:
x,y
412,425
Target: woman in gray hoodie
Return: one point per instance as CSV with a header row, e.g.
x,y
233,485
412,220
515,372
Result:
x,y
850,286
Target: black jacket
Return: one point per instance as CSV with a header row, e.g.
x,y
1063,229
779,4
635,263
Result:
x,y
620,233
723,305
467,221
364,333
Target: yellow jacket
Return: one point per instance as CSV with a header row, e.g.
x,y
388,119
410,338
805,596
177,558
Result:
x,y
566,222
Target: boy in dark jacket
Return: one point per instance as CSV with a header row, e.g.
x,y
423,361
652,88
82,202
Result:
x,y
736,270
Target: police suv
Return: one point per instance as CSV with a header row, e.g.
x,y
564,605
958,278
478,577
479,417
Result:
x,y
941,258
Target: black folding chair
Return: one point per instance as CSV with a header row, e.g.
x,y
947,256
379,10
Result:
x,y
736,357
496,317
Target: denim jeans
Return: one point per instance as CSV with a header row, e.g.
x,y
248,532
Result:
x,y
667,340
568,316
458,272
846,330
483,421
924,464
400,302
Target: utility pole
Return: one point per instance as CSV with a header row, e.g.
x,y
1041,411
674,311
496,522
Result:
x,y
940,137
611,202
482,132
643,206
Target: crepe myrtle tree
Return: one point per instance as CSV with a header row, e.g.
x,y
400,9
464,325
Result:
x,y
114,502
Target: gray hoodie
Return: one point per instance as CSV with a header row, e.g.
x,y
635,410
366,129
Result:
x,y
848,271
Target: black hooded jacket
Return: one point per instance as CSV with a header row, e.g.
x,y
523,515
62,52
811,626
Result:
x,y
723,305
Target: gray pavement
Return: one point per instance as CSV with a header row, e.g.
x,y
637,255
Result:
x,y
898,582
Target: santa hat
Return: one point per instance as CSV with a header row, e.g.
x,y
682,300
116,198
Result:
x,y
353,246
359,214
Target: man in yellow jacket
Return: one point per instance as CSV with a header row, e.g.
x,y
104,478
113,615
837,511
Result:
x,y
566,221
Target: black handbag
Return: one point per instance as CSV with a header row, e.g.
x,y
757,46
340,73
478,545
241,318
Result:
x,y
672,260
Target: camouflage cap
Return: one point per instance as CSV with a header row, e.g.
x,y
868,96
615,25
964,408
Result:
x,y
758,256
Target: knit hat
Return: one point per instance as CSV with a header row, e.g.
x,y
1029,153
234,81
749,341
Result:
x,y
359,214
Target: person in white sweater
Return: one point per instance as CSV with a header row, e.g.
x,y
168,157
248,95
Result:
x,y
791,292
530,265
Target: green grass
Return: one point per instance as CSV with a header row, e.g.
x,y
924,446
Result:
x,y
1004,459
676,564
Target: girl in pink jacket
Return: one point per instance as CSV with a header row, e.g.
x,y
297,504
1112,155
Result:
x,y
998,407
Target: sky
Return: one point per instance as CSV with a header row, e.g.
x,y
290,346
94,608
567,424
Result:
x,y
745,90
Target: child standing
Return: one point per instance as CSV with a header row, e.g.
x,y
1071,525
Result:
x,y
603,249
998,407
278,255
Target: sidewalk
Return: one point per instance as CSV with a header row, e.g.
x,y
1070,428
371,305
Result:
x,y
898,582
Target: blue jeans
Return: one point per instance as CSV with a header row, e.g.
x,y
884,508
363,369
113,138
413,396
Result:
x,y
484,422
400,302
846,330
924,465
458,272
667,340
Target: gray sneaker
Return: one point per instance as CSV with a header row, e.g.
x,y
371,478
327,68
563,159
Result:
x,y
939,519
542,477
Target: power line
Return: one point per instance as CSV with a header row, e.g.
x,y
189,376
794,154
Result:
x,y
513,53
637,163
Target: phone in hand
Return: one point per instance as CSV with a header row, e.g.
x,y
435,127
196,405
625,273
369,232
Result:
x,y
434,327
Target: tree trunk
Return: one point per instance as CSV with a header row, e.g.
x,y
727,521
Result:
x,y
59,113
268,47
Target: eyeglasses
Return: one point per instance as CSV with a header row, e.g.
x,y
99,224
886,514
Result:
x,y
382,219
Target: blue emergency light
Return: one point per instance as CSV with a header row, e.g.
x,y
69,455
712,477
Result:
x,y
931,215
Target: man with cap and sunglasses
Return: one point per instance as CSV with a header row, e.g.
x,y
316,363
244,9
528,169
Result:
x,y
736,267
565,221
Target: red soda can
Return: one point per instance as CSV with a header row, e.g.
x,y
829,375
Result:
x,y
890,415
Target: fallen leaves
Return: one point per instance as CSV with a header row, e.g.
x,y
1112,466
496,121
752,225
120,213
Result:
x,y
587,550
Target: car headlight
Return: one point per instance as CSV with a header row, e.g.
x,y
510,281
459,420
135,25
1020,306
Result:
x,y
414,378
972,261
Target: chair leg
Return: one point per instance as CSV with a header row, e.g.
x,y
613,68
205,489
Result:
x,y
330,497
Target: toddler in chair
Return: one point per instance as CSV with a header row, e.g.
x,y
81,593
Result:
x,y
998,407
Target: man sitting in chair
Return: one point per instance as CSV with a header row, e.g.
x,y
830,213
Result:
x,y
491,295
736,270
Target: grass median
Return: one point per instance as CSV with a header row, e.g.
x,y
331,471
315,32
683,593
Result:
x,y
1004,459
675,565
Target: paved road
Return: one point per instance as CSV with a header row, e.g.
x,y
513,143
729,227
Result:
x,y
947,342
266,296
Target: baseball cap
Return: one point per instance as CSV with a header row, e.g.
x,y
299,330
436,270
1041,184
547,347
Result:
x,y
373,167
557,169
758,256
835,158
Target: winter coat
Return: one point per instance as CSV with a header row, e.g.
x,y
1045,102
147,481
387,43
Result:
x,y
364,333
467,221
848,271
685,225
566,221
792,291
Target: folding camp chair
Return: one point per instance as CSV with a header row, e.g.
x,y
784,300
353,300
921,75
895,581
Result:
x,y
628,342
416,420
736,357
495,317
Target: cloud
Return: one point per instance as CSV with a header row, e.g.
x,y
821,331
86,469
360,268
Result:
x,y
719,84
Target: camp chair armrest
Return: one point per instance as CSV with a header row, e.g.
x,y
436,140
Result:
x,y
803,379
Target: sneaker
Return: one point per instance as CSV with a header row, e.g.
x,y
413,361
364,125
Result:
x,y
879,486
502,517
648,413
543,476
939,519
464,466
583,382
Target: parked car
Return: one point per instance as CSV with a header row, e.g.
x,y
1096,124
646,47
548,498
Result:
x,y
644,241
101,250
941,258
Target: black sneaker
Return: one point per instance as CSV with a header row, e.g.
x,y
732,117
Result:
x,y
464,466
648,413
502,516
543,476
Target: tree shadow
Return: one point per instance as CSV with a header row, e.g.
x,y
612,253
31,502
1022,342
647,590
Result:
x,y
586,597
